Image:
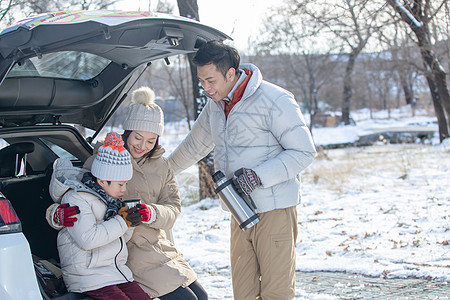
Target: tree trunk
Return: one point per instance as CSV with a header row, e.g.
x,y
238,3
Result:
x,y
205,170
437,83
435,68
347,93
189,9
417,19
403,75
438,109
407,90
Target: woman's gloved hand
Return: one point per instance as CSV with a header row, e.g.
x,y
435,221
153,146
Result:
x,y
145,212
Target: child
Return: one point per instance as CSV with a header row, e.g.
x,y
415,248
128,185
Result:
x,y
93,252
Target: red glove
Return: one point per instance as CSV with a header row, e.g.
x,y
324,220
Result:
x,y
63,213
145,212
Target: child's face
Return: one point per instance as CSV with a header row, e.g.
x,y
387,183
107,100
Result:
x,y
115,189
140,143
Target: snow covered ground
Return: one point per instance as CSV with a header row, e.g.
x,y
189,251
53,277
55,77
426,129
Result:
x,y
379,211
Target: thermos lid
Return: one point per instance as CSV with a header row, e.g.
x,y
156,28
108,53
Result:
x,y
218,175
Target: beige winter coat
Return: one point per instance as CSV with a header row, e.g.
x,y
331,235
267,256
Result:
x,y
157,265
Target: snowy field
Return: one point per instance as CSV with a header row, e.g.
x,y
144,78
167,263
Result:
x,y
380,211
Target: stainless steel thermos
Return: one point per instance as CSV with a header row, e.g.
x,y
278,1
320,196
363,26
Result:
x,y
241,206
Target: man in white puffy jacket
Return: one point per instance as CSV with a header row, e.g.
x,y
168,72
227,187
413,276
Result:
x,y
260,138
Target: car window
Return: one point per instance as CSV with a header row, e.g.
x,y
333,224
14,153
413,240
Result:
x,y
64,64
59,151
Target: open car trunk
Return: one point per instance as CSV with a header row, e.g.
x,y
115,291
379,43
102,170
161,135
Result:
x,y
63,69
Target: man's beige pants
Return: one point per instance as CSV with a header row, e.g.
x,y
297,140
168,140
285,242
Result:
x,y
263,257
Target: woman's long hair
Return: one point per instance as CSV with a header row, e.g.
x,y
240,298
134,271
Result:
x,y
125,136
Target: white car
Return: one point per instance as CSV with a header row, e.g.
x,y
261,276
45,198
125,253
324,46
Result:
x,y
58,69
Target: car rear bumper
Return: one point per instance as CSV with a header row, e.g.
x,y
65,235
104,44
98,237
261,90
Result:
x,y
17,275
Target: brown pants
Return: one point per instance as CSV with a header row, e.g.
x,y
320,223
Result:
x,y
263,257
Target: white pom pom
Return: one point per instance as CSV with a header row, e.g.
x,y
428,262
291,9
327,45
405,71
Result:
x,y
143,95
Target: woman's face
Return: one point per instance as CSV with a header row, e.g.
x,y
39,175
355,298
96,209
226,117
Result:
x,y
140,143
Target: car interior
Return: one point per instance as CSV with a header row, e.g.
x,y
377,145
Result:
x,y
26,161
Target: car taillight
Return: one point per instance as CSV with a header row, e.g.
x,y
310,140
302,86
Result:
x,y
9,222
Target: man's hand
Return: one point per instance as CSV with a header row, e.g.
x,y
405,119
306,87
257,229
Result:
x,y
131,216
246,181
63,215
145,212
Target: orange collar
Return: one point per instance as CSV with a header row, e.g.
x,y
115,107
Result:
x,y
237,95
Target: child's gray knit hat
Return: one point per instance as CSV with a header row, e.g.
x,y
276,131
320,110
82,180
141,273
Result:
x,y
112,162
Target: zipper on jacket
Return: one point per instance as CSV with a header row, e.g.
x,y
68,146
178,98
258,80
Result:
x,y
115,259
225,140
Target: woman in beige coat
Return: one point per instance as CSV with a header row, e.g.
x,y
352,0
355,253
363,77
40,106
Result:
x,y
157,265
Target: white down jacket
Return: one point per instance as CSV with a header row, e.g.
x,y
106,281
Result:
x,y
93,252
265,131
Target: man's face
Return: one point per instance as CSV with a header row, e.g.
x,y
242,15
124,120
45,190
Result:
x,y
214,83
115,189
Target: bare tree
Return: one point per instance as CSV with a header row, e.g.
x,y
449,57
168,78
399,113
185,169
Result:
x,y
180,85
419,15
189,8
302,74
42,6
403,56
6,6
347,24
303,66
311,73
13,10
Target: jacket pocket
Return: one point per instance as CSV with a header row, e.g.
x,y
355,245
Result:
x,y
282,252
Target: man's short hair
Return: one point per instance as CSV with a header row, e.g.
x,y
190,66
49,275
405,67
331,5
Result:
x,y
222,56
